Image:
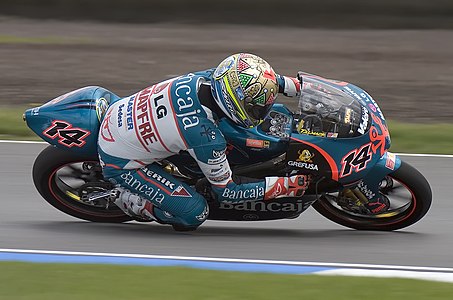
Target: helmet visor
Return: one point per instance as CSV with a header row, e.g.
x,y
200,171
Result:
x,y
257,113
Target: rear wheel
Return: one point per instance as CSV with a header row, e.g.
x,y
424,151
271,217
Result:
x,y
74,185
410,199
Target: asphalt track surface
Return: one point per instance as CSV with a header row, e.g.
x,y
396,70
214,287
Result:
x,y
28,222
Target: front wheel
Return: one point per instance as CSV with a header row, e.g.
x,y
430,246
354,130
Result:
x,y
70,182
410,199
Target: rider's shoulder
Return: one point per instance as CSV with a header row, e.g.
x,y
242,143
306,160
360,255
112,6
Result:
x,y
194,78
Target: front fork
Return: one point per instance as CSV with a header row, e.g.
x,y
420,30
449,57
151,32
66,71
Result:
x,y
368,188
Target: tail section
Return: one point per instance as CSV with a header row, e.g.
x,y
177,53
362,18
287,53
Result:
x,y
71,121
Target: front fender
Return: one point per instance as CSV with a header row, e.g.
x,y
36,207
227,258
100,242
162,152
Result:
x,y
387,164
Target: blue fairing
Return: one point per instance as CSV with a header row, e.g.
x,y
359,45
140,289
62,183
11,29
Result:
x,y
384,166
250,145
72,121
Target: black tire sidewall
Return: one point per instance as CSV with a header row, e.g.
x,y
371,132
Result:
x,y
407,175
46,164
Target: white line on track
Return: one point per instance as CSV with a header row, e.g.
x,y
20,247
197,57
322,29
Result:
x,y
239,260
402,154
21,142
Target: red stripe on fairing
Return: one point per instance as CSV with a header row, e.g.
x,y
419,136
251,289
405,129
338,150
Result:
x,y
113,166
140,173
174,116
154,124
330,160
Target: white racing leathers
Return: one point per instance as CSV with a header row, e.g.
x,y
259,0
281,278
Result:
x,y
158,122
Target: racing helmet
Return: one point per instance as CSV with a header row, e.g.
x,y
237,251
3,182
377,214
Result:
x,y
245,87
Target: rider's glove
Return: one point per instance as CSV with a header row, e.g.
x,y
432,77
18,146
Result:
x,y
294,186
300,77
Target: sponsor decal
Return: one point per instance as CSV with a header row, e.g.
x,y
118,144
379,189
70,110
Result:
x,y
390,161
315,133
158,178
152,193
250,217
67,135
364,124
372,107
347,115
216,160
303,165
353,93
305,156
218,153
208,133
180,191
220,177
35,111
161,110
302,130
120,115
101,107
144,130
255,193
332,134
304,161
204,214
106,134
368,99
266,206
129,119
188,115
252,143
365,190
378,139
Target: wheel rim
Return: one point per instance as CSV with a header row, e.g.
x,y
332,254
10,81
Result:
x,y
70,183
402,205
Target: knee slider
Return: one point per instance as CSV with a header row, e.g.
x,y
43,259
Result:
x,y
196,212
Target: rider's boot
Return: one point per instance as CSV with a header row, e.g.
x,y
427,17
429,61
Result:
x,y
133,205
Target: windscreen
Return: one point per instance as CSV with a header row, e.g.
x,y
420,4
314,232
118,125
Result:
x,y
327,111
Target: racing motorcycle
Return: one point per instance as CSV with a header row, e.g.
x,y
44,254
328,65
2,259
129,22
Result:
x,y
337,134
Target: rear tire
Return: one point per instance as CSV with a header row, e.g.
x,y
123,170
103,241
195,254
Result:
x,y
408,177
45,178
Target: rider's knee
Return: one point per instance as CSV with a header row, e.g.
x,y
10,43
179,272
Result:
x,y
196,211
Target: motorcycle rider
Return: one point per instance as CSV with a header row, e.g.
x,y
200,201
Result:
x,y
180,114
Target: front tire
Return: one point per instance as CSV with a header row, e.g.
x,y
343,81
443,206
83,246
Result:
x,y
420,201
54,186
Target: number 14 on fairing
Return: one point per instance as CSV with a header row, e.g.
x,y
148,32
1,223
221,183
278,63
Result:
x,y
356,160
